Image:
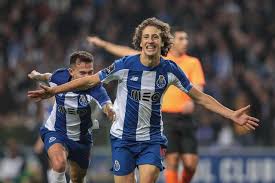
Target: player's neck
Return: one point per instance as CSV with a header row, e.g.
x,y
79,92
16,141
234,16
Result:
x,y
175,53
150,61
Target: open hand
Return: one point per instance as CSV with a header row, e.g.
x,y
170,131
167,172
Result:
x,y
34,75
44,93
241,118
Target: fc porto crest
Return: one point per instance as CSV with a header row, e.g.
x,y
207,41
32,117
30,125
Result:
x,y
83,100
116,165
161,82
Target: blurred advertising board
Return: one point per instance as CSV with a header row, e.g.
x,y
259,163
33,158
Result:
x,y
231,165
236,165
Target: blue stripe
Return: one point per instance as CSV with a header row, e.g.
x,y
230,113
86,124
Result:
x,y
132,105
84,116
60,76
60,120
155,119
100,94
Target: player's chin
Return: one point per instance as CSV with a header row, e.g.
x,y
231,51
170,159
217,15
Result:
x,y
151,54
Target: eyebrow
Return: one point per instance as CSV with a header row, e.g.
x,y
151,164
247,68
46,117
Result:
x,y
147,34
87,71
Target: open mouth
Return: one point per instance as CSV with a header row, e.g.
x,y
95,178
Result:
x,y
150,48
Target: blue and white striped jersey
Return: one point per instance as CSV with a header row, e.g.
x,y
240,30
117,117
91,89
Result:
x,y
139,96
71,114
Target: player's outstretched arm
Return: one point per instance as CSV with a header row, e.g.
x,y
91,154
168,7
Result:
x,y
109,111
77,84
114,49
239,116
34,75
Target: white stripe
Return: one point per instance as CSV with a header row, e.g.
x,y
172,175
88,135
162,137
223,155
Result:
x,y
72,120
145,107
120,106
50,123
118,75
161,124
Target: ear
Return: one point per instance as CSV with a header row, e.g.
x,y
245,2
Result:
x,y
71,71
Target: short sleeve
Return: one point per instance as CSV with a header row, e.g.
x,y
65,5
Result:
x,y
178,78
99,93
113,72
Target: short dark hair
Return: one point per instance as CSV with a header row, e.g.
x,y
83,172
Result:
x,y
83,56
175,29
165,34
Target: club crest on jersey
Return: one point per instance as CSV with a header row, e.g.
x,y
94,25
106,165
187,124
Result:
x,y
161,82
116,165
83,100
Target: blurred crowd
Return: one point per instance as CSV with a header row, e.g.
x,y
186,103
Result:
x,y
234,39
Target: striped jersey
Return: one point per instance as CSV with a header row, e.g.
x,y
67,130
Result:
x,y
139,96
71,114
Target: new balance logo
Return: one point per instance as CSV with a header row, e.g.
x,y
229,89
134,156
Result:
x,y
134,78
52,139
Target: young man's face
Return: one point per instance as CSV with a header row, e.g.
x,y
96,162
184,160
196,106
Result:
x,y
81,69
180,42
151,42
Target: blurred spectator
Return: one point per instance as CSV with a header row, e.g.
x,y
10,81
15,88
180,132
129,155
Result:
x,y
12,164
233,39
43,112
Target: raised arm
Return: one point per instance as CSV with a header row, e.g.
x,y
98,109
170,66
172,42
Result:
x,y
114,72
179,79
77,84
239,116
39,77
114,49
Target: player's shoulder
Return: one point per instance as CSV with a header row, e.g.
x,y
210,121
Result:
x,y
169,64
60,76
192,59
61,71
126,62
129,59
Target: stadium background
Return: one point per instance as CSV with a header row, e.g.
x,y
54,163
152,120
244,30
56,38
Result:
x,y
234,39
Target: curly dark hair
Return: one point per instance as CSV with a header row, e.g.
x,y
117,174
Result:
x,y
166,36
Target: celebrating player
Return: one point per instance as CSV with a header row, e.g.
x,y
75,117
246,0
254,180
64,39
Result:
x,y
66,134
177,107
137,132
